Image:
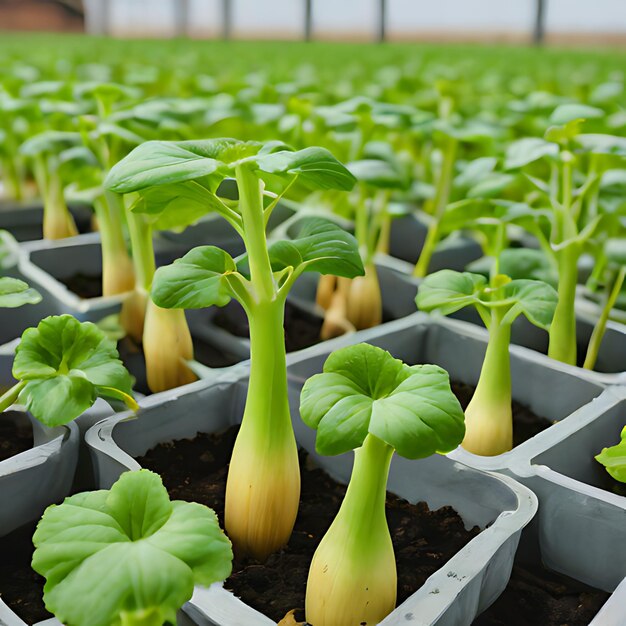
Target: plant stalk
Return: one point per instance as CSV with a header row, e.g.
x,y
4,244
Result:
x,y
488,417
352,579
562,344
10,396
442,196
600,328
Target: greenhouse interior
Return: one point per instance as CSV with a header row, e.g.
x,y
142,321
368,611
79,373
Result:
x,y
312,313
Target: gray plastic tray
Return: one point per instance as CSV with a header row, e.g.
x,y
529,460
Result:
x,y
452,596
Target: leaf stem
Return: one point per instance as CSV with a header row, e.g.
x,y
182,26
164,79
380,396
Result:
x,y
10,396
600,328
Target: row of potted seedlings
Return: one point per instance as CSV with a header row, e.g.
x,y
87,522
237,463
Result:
x,y
324,401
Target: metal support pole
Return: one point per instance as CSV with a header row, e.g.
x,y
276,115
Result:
x,y
540,17
382,21
181,8
227,19
308,20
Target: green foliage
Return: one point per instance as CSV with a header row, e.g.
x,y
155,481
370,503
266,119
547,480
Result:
x,y
127,554
63,365
614,459
364,390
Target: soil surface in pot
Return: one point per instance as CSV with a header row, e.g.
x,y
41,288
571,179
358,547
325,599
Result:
x,y
84,285
608,483
525,423
20,587
196,470
302,328
203,352
14,437
540,597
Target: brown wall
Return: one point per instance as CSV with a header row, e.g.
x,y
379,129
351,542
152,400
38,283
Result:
x,y
38,15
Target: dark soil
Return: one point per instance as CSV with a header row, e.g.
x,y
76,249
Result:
x,y
525,423
134,360
539,597
20,587
608,483
14,438
196,470
84,285
302,328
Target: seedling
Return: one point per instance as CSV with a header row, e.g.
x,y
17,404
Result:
x,y
62,366
263,487
127,555
614,459
615,273
488,417
369,402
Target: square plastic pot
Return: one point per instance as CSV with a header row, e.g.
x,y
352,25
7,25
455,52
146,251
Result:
x,y
44,264
581,526
613,611
398,297
611,364
25,220
454,595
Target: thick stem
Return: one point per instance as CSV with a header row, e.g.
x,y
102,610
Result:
x,y
442,196
251,207
353,579
146,617
58,222
167,347
600,328
488,417
117,269
365,304
263,487
133,310
562,345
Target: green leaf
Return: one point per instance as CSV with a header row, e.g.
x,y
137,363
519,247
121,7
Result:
x,y
534,299
197,280
152,551
363,389
50,141
597,143
519,263
66,364
377,173
614,459
321,246
528,150
15,292
491,186
565,113
447,291
166,162
316,168
175,206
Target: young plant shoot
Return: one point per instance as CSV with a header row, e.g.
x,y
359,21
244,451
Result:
x,y
62,366
369,402
615,273
49,152
357,304
488,417
614,459
127,555
263,487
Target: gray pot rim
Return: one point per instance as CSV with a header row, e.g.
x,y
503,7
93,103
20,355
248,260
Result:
x,y
521,454
56,288
225,609
612,612
38,454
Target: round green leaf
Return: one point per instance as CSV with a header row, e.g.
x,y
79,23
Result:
x,y
152,550
614,459
15,292
363,389
447,291
195,281
528,150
